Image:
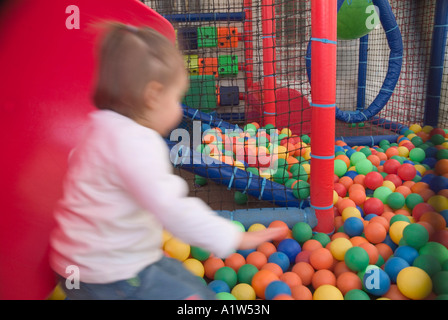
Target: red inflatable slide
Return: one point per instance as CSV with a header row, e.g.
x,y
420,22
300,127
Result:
x,y
47,56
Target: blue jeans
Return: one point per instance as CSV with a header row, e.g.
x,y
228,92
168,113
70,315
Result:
x,y
165,279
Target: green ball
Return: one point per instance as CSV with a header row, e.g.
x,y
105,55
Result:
x,y
442,297
355,19
301,190
356,294
356,157
253,170
225,296
399,217
440,282
380,261
323,238
417,141
228,275
364,166
417,154
445,265
305,138
239,225
396,200
269,127
199,253
289,183
302,232
382,193
250,127
340,168
435,249
200,181
442,154
427,263
415,235
366,151
412,200
356,259
437,139
281,175
246,272
398,158
240,198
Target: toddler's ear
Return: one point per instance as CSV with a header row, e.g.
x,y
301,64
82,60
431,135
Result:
x,y
153,93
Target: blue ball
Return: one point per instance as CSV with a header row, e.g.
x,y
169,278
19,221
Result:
x,y
444,214
431,152
205,127
393,266
353,227
407,253
438,183
338,149
428,178
431,162
360,210
382,162
390,243
290,247
219,286
349,152
275,288
376,281
352,174
281,259
369,216
246,252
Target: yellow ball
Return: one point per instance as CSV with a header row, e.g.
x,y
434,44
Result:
x,y
438,202
57,294
350,212
416,128
194,266
307,154
339,246
239,165
396,230
445,145
281,152
427,129
256,227
389,184
420,168
307,167
177,249
243,291
286,131
327,292
166,235
265,173
403,151
411,135
335,197
414,283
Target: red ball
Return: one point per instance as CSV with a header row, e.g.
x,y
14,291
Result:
x,y
420,209
408,145
437,131
407,172
395,179
373,180
340,189
335,178
441,236
391,166
373,205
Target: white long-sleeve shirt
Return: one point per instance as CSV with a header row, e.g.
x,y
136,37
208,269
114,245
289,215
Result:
x,y
119,194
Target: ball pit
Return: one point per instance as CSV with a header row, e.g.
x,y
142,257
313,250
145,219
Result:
x,y
390,239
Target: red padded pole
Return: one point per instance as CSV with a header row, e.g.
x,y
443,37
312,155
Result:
x,y
323,94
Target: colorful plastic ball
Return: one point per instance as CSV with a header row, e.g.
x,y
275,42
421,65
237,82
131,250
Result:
x,y
245,273
356,259
395,200
440,282
235,261
194,266
243,291
438,183
427,263
356,157
356,294
290,247
396,230
417,155
302,232
323,238
225,296
406,172
177,249
339,246
436,250
414,283
415,235
376,281
412,200
301,189
350,212
226,274
280,259
261,280
327,292
240,198
437,139
219,286
391,166
393,266
364,166
321,258
353,226
199,253
275,288
382,193
340,168
373,206
375,232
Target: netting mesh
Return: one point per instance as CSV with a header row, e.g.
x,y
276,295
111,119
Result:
x,y
248,58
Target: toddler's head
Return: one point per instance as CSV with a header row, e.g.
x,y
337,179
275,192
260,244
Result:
x,y
141,75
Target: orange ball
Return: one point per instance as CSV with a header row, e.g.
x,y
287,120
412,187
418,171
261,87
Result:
x,y
428,228
375,232
311,245
339,268
435,219
426,194
345,159
275,268
305,271
384,250
347,281
292,279
322,277
301,293
211,265
358,240
280,224
339,235
392,151
387,215
283,296
382,220
372,251
321,259
344,203
235,261
359,180
267,248
419,186
405,191
374,159
356,187
441,166
338,222
394,293
256,258
358,196
346,181
261,280
381,155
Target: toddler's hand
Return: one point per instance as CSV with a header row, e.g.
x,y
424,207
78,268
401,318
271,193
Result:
x,y
251,240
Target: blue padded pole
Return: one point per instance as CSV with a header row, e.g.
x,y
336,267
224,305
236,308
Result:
x,y
362,72
435,76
